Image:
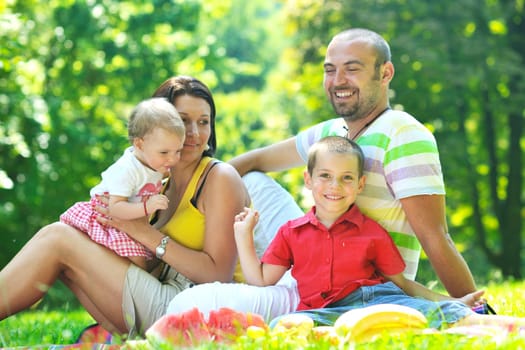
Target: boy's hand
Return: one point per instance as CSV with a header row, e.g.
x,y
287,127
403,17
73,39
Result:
x,y
245,222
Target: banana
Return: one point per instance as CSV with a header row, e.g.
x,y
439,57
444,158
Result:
x,y
372,334
359,324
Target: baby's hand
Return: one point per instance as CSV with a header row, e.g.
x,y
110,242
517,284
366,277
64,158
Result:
x,y
157,202
245,221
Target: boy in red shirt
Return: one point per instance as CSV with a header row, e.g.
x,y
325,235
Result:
x,y
340,258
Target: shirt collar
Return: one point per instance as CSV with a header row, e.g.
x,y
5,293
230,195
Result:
x,y
353,215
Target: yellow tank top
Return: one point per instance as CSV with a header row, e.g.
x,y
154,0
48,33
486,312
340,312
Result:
x,y
187,225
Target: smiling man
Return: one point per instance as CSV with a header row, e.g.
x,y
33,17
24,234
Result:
x,y
405,191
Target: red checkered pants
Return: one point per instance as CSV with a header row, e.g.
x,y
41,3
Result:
x,y
83,217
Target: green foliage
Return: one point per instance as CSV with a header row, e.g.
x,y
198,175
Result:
x,y
459,70
70,72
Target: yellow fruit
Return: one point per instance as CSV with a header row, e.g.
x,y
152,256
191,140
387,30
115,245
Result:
x,y
255,332
294,324
360,323
373,333
325,332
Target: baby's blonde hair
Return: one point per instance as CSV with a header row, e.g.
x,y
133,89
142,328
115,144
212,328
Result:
x,y
154,113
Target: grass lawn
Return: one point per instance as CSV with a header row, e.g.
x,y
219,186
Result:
x,y
31,328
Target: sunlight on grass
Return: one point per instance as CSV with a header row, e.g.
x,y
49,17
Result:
x,y
507,297
43,327
54,327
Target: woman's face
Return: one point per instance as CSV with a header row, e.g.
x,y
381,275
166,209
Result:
x,y
196,114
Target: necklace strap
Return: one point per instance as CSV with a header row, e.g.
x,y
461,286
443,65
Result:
x,y
364,127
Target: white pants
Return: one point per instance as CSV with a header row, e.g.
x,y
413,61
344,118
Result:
x,y
275,206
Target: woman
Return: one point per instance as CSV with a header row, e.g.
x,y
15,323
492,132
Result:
x,y
120,296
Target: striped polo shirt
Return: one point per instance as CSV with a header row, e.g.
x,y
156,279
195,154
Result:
x,y
401,160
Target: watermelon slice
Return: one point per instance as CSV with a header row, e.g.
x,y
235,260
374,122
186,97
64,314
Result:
x,y
226,324
185,329
189,328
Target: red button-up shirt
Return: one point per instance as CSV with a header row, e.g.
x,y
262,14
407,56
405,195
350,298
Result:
x,y
330,263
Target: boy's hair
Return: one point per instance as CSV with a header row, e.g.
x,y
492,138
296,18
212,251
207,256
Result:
x,y
336,144
154,113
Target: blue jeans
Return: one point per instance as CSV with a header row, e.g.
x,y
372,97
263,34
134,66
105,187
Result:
x,y
437,313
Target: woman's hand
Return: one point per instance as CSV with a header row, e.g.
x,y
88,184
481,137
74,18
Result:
x,y
102,208
137,229
132,227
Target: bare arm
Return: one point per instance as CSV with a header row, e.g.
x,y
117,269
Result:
x,y
255,272
426,215
120,208
220,200
277,157
416,289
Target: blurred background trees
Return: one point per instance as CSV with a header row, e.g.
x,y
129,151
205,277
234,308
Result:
x,y
70,72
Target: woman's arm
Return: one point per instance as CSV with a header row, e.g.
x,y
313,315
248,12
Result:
x,y
223,196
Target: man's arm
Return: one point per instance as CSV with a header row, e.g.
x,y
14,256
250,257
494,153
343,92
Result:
x,y
276,157
416,289
426,215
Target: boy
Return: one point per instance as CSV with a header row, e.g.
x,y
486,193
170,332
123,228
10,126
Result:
x,y
341,258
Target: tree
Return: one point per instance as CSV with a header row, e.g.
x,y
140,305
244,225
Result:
x,y
70,72
459,71
502,136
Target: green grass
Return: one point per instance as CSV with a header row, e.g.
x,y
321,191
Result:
x,y
43,327
32,328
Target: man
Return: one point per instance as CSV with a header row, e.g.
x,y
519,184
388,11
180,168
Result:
x,y
405,190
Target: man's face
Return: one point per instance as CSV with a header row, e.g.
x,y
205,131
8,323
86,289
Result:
x,y
351,79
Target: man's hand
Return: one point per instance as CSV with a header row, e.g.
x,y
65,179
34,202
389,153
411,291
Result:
x,y
473,299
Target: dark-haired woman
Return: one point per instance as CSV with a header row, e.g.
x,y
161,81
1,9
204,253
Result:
x,y
120,296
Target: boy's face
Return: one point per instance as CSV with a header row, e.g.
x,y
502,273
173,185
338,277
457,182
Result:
x,y
159,149
334,182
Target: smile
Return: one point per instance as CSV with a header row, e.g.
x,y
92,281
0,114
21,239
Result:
x,y
333,197
344,93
